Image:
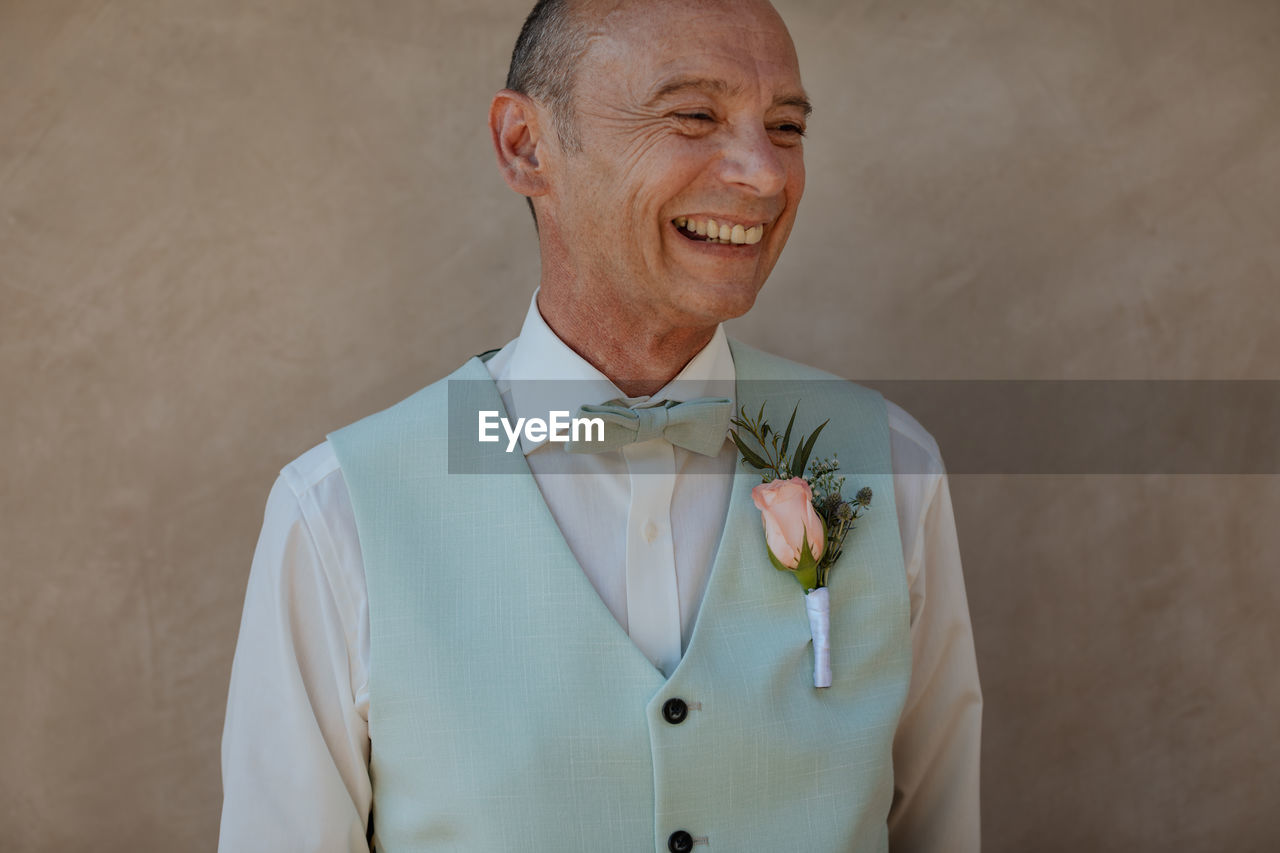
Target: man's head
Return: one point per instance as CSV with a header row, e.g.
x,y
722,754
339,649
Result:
x,y
639,123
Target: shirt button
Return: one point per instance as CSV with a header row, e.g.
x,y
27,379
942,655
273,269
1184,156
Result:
x,y
650,531
680,842
674,711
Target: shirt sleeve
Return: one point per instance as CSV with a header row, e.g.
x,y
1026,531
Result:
x,y
295,744
937,744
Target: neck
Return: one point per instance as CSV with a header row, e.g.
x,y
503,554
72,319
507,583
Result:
x,y
638,355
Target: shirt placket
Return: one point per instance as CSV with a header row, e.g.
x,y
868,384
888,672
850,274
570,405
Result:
x,y
653,599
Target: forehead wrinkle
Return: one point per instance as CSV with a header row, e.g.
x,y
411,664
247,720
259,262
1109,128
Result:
x,y
613,29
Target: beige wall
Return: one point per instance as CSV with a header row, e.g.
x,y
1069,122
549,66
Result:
x,y
226,227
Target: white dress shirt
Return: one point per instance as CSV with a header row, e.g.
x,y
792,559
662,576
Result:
x,y
644,526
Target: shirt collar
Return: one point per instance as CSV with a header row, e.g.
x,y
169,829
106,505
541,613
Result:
x,y
543,375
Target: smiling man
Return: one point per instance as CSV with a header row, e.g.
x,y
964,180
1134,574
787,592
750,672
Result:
x,y
625,670
683,117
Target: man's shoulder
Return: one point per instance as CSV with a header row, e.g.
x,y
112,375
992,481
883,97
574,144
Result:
x,y
320,468
310,469
314,478
751,363
764,372
914,449
424,412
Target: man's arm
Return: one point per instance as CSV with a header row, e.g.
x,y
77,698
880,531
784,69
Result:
x,y
295,745
936,748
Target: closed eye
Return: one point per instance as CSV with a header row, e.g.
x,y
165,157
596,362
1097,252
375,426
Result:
x,y
698,116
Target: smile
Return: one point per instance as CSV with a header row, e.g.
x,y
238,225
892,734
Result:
x,y
711,231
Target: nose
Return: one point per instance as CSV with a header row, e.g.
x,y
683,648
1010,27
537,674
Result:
x,y
752,160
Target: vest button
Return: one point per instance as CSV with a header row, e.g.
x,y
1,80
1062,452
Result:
x,y
680,842
674,711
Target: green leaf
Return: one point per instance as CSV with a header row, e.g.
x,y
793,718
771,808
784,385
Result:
x,y
777,564
786,437
801,458
807,570
750,455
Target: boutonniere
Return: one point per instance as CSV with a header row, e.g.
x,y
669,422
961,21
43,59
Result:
x,y
806,519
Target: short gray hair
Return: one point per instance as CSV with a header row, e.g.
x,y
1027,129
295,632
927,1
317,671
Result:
x,y
552,41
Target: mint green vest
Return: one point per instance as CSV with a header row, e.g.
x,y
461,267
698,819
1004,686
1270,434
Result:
x,y
509,711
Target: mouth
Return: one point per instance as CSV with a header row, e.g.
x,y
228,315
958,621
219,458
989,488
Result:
x,y
723,232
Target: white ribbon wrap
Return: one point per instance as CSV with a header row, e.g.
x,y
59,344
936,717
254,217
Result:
x,y
817,604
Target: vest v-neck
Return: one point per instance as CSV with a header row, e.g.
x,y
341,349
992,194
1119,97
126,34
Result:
x,y
524,493
741,525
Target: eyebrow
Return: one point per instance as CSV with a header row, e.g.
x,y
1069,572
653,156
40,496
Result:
x,y
795,101
717,86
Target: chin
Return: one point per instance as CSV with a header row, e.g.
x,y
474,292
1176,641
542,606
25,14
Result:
x,y
714,303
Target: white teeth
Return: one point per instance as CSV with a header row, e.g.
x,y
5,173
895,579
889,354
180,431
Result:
x,y
724,233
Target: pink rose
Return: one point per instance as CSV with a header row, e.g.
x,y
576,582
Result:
x,y
789,518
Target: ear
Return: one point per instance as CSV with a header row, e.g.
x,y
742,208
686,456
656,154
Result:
x,y
517,133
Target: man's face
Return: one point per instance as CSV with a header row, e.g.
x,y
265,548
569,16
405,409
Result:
x,y
687,113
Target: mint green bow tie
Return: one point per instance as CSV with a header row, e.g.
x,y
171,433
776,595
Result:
x,y
699,425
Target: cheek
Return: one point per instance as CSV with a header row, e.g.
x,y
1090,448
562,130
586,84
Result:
x,y
795,181
658,162
632,187
627,151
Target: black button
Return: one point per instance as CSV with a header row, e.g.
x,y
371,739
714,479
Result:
x,y
680,841
674,712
